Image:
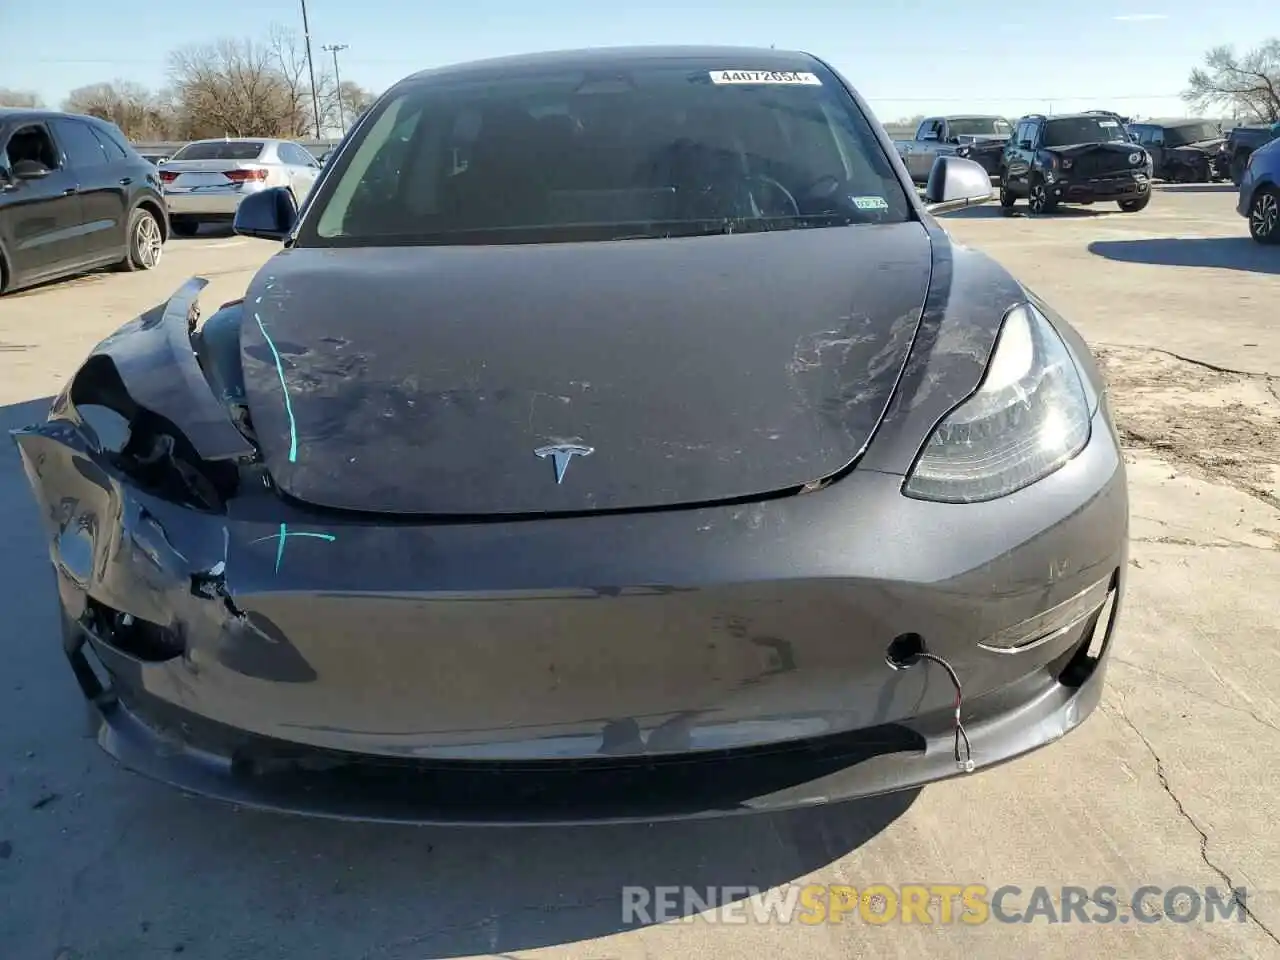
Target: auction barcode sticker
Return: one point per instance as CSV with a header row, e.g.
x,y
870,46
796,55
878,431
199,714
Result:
x,y
785,77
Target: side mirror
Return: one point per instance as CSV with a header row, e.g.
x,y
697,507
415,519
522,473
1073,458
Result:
x,y
1024,144
954,183
267,215
30,170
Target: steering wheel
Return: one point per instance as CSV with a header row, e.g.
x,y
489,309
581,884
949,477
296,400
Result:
x,y
829,195
778,189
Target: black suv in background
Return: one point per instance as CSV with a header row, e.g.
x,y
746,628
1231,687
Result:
x,y
1240,144
1187,150
1075,158
74,196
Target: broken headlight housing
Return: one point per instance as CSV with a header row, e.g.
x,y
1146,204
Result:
x,y
1028,418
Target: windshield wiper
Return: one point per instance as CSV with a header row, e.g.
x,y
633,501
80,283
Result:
x,y
727,225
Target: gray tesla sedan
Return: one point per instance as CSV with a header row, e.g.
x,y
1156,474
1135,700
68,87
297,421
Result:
x,y
616,436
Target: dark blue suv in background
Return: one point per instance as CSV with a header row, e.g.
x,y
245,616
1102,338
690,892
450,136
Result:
x,y
1260,193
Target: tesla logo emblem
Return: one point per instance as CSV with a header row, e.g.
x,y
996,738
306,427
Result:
x,y
561,454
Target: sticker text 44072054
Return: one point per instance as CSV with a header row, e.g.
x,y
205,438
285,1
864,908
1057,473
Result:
x,y
784,77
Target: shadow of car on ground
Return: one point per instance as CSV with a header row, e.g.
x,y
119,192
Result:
x,y
993,211
1196,187
1223,253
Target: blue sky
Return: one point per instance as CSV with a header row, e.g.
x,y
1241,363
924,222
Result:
x,y
907,57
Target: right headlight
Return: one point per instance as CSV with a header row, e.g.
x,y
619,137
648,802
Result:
x,y
1029,417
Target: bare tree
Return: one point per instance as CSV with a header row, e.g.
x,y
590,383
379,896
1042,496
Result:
x,y
231,87
1248,84
290,56
19,98
355,100
243,88
130,106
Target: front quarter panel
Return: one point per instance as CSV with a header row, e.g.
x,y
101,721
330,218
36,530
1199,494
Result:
x,y
152,360
969,294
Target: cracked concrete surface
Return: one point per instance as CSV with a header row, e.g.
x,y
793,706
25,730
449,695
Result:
x,y
1172,782
1239,894
1220,422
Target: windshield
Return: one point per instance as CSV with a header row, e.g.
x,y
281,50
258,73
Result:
x,y
1185,133
1071,130
654,151
979,127
220,150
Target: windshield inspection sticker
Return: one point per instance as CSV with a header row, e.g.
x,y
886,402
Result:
x,y
870,203
782,77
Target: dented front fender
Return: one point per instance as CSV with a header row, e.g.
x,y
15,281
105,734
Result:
x,y
150,364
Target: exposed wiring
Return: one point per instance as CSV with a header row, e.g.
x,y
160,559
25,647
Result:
x,y
964,759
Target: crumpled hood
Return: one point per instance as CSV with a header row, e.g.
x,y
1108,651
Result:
x,y
1204,146
422,380
1078,149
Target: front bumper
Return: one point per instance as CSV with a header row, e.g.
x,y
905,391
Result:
x,y
1120,187
1244,196
666,665
213,202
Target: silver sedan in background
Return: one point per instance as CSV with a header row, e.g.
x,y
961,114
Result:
x,y
205,181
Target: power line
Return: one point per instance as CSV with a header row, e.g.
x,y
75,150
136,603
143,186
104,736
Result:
x,y
335,49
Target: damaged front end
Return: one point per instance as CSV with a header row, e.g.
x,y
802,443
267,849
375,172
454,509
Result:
x,y
142,450
243,644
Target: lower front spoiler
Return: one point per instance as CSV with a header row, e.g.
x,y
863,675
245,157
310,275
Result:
x,y
1092,191
196,755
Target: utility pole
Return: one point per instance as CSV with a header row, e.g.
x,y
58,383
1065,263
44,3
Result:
x,y
335,49
315,98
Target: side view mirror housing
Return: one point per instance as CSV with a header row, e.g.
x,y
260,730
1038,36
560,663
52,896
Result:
x,y
267,215
29,170
955,182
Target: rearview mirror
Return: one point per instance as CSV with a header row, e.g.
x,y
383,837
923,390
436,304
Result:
x,y
268,215
955,182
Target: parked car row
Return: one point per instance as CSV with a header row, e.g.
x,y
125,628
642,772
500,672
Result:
x,y
76,196
1182,150
1073,158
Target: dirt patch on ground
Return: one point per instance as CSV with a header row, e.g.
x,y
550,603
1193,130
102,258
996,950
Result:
x,y
1226,424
